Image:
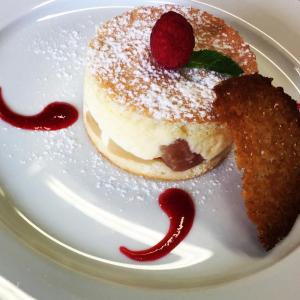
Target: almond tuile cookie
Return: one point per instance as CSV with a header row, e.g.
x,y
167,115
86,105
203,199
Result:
x,y
265,126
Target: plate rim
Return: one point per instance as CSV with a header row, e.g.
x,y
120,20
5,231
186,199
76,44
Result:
x,y
30,5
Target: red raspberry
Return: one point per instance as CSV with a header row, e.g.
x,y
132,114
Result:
x,y
172,40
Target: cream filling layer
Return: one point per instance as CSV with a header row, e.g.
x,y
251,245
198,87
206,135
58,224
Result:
x,y
143,136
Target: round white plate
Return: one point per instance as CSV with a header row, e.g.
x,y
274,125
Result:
x,y
64,201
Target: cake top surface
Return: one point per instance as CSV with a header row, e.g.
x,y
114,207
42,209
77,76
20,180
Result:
x,y
119,58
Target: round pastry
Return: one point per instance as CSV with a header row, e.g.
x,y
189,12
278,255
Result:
x,y
151,121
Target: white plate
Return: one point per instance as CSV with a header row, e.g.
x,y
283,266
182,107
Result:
x,y
67,203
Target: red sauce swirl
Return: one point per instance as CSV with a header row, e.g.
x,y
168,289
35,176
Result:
x,y
55,116
179,207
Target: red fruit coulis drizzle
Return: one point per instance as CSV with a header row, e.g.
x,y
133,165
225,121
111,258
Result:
x,y
180,209
55,116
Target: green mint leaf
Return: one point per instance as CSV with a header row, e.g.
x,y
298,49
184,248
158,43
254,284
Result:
x,y
215,61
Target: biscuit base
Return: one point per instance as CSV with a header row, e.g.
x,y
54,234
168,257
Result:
x,y
153,169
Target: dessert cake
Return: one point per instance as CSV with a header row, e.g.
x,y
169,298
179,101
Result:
x,y
150,120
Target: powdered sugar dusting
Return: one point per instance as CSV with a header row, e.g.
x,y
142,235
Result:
x,y
120,58
66,56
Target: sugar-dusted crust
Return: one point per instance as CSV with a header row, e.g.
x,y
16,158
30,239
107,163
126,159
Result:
x,y
153,169
119,57
265,125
